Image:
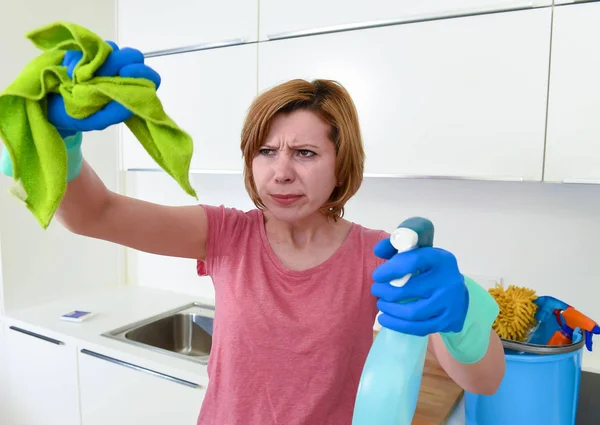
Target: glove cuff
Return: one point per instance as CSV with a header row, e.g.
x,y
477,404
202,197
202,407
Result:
x,y
74,155
5,163
471,343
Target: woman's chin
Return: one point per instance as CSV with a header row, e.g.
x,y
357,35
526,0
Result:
x,y
290,213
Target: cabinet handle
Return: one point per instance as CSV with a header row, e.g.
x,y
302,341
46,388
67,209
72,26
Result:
x,y
332,29
582,181
440,177
33,334
191,171
140,368
577,1
366,175
195,47
523,5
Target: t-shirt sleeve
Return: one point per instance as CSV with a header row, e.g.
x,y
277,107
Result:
x,y
226,230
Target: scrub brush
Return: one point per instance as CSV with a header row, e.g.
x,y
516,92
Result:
x,y
517,312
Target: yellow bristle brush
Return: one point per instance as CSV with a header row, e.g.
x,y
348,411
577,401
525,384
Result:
x,y
517,312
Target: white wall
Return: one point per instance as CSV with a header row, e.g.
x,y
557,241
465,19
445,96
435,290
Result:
x,y
542,236
37,265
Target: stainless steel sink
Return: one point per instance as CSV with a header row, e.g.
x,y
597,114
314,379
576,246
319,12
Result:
x,y
185,332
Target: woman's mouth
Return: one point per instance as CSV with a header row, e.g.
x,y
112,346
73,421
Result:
x,y
285,199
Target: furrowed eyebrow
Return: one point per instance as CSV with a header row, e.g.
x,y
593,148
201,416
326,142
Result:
x,y
305,146
299,146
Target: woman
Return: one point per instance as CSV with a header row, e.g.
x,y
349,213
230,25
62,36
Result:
x,y
295,297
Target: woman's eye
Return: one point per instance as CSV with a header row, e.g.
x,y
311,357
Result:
x,y
265,151
306,153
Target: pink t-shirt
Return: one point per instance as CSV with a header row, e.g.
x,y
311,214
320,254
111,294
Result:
x,y
288,346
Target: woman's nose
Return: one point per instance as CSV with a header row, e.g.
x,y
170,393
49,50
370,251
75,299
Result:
x,y
283,169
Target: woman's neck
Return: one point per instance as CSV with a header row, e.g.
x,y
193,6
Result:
x,y
303,245
312,230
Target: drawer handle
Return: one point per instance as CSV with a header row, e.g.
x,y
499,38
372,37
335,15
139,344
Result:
x,y
33,334
140,368
195,47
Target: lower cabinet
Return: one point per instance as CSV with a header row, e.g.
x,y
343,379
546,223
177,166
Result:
x,y
47,380
117,392
40,379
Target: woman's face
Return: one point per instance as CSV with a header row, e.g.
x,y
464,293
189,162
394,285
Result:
x,y
294,171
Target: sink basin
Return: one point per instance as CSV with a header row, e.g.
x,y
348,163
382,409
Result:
x,y
185,332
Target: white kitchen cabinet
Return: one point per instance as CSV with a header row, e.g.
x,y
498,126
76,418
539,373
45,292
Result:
x,y
462,97
207,94
282,18
572,146
41,379
3,371
155,25
122,393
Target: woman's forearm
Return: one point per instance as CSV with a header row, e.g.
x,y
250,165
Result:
x,y
482,377
90,209
85,200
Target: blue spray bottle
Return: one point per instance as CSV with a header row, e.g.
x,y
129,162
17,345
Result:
x,y
391,379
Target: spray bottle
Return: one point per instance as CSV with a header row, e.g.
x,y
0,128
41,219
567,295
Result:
x,y
391,379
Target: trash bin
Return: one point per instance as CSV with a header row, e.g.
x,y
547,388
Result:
x,y
540,386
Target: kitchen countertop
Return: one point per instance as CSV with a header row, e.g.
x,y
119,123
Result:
x,y
588,412
113,307
439,397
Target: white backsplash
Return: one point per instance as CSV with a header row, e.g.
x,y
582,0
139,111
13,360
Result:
x,y
542,236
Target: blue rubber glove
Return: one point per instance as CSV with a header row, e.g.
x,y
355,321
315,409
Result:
x,y
439,297
436,299
124,62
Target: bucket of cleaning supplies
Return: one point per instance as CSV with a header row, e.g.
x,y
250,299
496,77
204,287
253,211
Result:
x,y
540,386
543,370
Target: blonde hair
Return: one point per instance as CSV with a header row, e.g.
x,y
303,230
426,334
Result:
x,y
332,102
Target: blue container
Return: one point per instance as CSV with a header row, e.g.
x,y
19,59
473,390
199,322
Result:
x,y
541,386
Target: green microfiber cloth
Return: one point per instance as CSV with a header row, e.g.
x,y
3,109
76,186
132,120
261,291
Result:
x,y
36,149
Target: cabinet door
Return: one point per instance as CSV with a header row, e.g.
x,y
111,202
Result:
x,y
41,379
463,97
281,18
121,393
4,405
154,25
572,146
207,94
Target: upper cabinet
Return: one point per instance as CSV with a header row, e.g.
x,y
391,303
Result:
x,y
573,147
155,25
206,93
283,18
462,97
